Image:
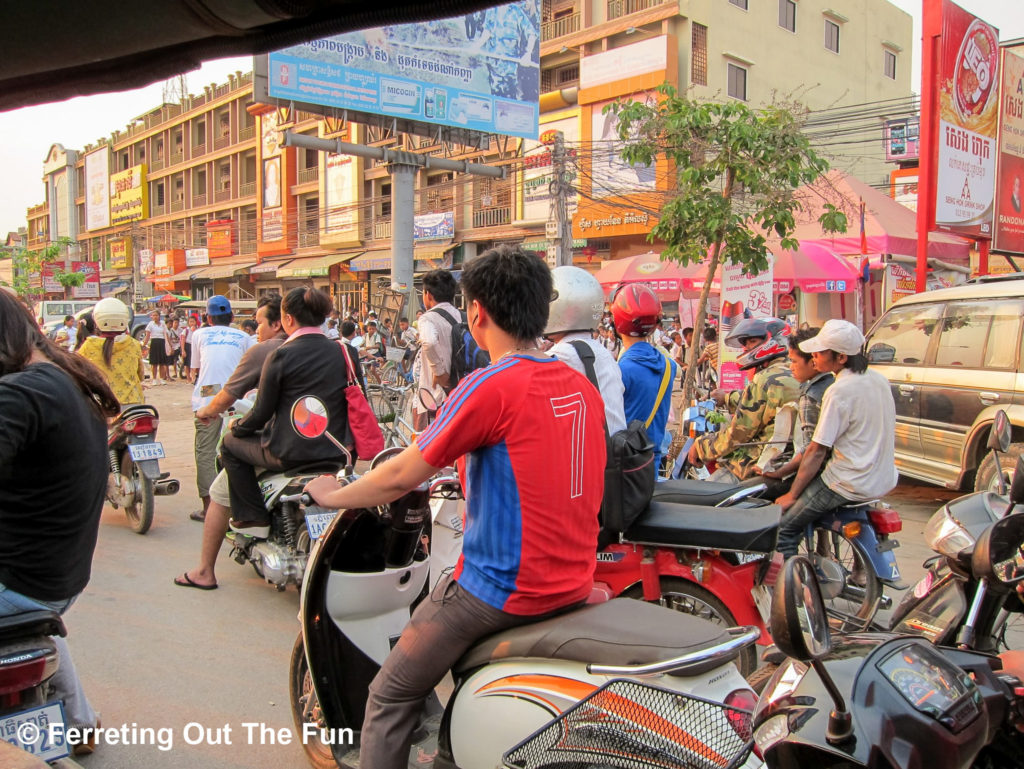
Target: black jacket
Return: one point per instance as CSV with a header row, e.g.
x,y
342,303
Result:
x,y
310,365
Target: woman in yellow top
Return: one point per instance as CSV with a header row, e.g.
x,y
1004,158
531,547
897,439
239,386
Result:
x,y
115,353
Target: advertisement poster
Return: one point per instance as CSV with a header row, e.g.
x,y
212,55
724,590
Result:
x,y
145,261
902,139
128,196
434,226
903,187
743,296
90,289
537,175
968,115
120,253
48,273
97,189
611,176
901,281
338,193
1009,227
197,257
479,72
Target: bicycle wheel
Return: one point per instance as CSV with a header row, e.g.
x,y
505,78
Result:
x,y
381,400
390,375
848,583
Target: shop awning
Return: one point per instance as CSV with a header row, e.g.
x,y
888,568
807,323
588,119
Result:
x,y
269,267
433,256
223,270
371,261
187,274
314,266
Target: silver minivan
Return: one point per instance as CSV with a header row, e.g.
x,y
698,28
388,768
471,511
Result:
x,y
953,358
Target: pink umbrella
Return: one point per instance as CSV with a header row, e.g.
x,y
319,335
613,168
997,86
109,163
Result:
x,y
665,278
814,268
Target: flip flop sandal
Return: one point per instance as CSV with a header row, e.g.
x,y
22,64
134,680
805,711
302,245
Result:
x,y
186,581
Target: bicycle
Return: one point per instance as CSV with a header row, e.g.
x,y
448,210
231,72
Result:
x,y
391,405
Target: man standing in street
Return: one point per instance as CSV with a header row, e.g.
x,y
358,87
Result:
x,y
435,332
857,423
216,351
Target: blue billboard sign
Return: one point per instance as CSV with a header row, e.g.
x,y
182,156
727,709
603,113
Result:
x,y
479,72
434,226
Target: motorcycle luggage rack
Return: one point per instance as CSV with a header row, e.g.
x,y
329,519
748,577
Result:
x,y
630,725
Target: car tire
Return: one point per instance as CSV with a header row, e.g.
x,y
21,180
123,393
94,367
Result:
x,y
986,479
139,333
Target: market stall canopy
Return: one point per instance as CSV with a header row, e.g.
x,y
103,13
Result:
x,y
168,298
890,227
666,278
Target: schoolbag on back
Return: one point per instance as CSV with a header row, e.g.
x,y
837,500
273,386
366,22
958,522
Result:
x,y
629,474
466,353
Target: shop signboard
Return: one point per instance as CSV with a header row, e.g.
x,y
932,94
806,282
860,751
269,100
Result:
x,y
97,189
434,226
1009,224
146,261
902,139
128,195
197,257
120,253
90,289
968,116
48,275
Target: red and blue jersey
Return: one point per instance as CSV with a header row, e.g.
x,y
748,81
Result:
x,y
532,434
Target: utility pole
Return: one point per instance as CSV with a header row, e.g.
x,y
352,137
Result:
x,y
559,227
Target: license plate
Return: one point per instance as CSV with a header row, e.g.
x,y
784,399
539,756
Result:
x,y
143,451
317,523
763,601
39,731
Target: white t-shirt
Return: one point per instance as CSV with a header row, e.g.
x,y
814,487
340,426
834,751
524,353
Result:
x,y
858,422
609,376
436,349
155,330
216,351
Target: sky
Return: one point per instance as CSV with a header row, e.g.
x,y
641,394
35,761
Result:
x,y
28,133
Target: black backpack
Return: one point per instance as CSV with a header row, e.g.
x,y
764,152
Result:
x,y
629,474
466,353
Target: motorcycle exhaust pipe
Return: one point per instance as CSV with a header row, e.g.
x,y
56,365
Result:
x,y
166,488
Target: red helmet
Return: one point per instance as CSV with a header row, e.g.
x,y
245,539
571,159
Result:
x,y
635,309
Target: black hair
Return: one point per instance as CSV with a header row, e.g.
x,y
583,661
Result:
x,y
688,329
348,328
802,335
514,287
440,284
272,302
249,325
86,329
69,317
221,320
858,363
309,306
20,337
710,334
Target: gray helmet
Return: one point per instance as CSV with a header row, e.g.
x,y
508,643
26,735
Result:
x,y
773,331
578,302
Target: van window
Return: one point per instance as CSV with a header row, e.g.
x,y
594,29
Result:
x,y
979,335
902,336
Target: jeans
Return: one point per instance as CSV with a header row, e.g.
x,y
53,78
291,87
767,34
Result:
x,y
443,627
65,681
816,500
242,457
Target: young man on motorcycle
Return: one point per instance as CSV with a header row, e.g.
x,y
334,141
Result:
x,y
857,423
574,313
647,373
530,432
763,341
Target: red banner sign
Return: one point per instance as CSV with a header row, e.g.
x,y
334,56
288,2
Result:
x,y
90,289
1009,225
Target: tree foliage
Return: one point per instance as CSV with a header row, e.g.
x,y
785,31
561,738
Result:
x,y
735,169
28,264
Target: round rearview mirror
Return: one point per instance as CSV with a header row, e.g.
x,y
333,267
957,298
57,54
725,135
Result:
x,y
1001,435
428,399
999,554
799,623
309,417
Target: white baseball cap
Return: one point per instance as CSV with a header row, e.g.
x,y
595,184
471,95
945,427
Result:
x,y
839,335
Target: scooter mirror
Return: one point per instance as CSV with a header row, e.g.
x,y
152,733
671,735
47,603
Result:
x,y
1017,485
309,417
1001,434
999,554
428,400
799,623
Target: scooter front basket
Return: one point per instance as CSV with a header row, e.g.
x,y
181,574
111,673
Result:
x,y
629,725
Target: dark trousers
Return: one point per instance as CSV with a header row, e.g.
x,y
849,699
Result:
x,y
816,500
442,629
241,457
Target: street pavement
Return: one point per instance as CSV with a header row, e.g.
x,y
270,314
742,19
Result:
x,y
169,666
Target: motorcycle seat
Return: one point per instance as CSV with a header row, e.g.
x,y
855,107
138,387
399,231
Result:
x,y
135,409
750,530
321,467
622,631
687,491
30,623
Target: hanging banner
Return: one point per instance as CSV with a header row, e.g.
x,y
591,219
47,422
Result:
x,y
120,253
48,275
1009,226
968,115
743,296
90,289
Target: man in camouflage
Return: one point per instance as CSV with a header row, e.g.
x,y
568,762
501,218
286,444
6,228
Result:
x,y
737,448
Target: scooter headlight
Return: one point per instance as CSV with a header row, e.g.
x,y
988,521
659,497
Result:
x,y
945,535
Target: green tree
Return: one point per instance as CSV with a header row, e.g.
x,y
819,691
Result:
x,y
27,265
736,170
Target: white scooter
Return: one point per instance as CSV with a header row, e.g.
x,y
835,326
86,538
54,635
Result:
x,y
366,572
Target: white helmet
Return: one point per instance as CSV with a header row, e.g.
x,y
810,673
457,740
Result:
x,y
111,316
577,303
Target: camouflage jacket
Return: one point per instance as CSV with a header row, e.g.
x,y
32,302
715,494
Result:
x,y
753,420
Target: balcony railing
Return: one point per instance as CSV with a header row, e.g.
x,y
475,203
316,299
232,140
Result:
x,y
177,205
244,134
247,246
198,200
176,157
157,164
382,229
222,141
565,25
198,149
492,217
219,196
309,236
157,209
619,8
305,175
245,189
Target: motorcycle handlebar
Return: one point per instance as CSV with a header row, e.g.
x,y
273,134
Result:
x,y
302,498
443,481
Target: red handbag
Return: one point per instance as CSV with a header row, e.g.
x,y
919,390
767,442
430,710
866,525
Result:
x,y
361,420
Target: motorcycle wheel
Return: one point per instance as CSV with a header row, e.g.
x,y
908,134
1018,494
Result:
x,y
855,605
140,512
987,477
688,598
303,699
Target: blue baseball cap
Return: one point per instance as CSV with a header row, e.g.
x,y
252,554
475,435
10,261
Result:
x,y
218,305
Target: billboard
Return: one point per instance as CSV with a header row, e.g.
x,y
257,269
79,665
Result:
x,y
97,189
902,139
90,289
903,187
1009,224
341,181
537,171
120,253
128,195
968,114
743,296
611,176
479,72
434,226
